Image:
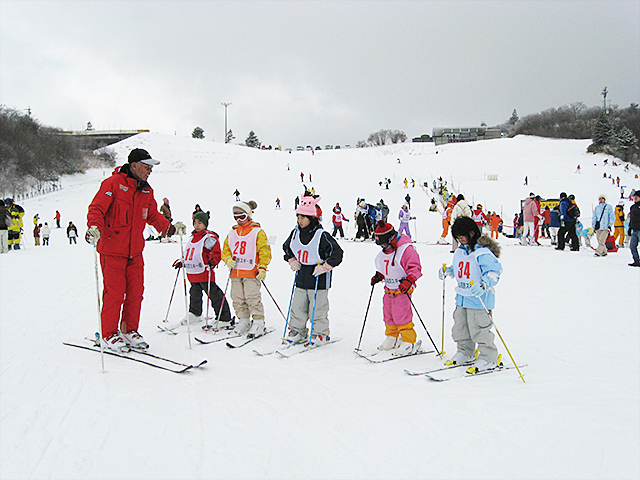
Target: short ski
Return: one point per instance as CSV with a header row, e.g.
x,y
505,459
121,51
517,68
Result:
x,y
434,377
242,341
382,356
287,352
284,346
414,373
168,329
220,338
179,368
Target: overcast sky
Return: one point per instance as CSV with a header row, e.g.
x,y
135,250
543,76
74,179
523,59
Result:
x,y
312,72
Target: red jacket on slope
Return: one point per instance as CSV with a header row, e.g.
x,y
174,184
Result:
x,y
121,209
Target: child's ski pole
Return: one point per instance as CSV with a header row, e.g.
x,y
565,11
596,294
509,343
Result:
x,y
186,295
274,300
365,317
498,331
313,313
286,322
166,317
444,276
425,327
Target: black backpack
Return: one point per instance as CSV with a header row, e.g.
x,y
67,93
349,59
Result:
x,y
573,211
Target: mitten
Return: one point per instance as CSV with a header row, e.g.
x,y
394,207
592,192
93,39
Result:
x,y
378,277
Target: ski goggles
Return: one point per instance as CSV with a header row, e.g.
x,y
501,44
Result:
x,y
240,216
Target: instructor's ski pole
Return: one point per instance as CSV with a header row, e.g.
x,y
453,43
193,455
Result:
x,y
498,331
425,327
95,262
365,317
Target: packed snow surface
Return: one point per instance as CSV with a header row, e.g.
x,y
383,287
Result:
x,y
571,318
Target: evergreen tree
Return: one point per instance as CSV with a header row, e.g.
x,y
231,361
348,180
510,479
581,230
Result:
x,y
514,117
198,133
603,132
229,137
627,143
252,140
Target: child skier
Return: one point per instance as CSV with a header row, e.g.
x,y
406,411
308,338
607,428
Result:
x,y
398,265
476,269
247,253
404,215
313,254
201,256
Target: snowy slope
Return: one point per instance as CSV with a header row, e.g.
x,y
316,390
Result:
x,y
573,318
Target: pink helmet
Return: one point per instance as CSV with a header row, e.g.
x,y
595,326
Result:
x,y
308,206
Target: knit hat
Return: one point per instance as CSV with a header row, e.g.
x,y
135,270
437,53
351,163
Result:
x,y
245,207
140,155
203,217
532,195
307,206
384,231
602,196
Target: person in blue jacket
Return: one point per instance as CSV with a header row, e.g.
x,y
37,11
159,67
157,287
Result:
x,y
554,224
602,221
477,270
567,224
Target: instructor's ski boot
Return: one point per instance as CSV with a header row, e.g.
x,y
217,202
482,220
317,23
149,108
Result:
x,y
134,340
115,343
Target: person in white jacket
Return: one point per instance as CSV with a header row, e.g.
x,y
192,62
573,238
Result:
x,y
461,209
602,221
45,231
530,211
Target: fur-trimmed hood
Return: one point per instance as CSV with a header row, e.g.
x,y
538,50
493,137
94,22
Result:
x,y
491,244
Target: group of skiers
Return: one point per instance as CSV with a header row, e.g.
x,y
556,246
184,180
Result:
x,y
125,203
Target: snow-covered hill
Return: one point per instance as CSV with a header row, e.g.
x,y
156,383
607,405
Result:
x,y
572,318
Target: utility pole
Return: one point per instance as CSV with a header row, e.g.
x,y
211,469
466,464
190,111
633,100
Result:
x,y
225,105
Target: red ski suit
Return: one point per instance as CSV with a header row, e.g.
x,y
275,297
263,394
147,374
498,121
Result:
x,y
121,209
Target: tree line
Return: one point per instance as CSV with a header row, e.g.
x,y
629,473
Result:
x,y
33,156
614,131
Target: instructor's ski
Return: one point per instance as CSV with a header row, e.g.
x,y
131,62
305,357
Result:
x,y
178,368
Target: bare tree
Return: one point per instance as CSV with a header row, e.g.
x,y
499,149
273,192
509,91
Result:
x,y
397,136
378,138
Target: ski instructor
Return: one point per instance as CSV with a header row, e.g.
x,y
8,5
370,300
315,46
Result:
x,y
116,219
